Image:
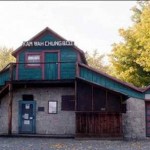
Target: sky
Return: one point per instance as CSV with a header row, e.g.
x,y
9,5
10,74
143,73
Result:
x,y
91,25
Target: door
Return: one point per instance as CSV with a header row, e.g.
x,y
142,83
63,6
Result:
x,y
27,116
51,66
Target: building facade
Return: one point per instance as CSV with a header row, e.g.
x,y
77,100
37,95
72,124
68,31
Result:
x,y
51,90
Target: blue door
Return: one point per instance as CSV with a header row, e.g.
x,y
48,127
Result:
x,y
51,66
27,116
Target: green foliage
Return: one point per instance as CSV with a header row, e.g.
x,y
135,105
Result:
x,y
96,61
5,56
131,58
137,10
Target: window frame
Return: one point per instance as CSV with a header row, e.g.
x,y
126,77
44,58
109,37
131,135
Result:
x,y
56,107
32,54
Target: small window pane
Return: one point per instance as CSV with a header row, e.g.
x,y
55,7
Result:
x,y
52,107
33,60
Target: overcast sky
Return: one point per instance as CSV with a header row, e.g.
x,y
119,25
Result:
x,y
91,25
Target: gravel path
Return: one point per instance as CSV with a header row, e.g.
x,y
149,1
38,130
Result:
x,y
70,144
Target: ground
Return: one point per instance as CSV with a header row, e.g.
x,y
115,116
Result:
x,y
20,143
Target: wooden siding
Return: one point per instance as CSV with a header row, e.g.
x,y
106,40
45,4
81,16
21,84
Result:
x,y
68,71
98,125
48,37
25,73
29,73
147,91
92,76
4,76
67,54
51,69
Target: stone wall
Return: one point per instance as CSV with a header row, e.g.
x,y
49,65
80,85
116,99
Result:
x,y
61,123
4,115
134,119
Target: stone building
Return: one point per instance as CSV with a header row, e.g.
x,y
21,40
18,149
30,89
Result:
x,y
51,90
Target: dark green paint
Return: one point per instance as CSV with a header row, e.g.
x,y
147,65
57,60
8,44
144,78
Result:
x,y
51,66
67,54
4,76
68,70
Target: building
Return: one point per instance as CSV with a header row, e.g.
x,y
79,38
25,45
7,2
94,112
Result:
x,y
51,90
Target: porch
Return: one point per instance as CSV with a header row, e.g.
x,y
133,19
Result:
x,y
38,72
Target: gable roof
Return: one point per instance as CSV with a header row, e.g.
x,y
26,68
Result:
x,y
50,31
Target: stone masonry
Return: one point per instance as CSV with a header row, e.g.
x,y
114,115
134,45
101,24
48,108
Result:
x,y
134,119
4,115
62,123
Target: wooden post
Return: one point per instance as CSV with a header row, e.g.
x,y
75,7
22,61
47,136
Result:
x,y
92,98
77,70
76,108
75,95
10,101
106,101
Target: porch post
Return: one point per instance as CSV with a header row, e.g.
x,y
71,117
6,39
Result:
x,y
10,101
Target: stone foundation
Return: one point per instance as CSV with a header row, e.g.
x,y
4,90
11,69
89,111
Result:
x,y
134,119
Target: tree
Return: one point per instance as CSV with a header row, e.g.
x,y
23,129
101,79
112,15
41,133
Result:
x,y
96,61
131,58
5,56
138,9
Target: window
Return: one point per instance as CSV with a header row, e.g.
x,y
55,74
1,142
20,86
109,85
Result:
x,y
68,102
52,107
33,60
